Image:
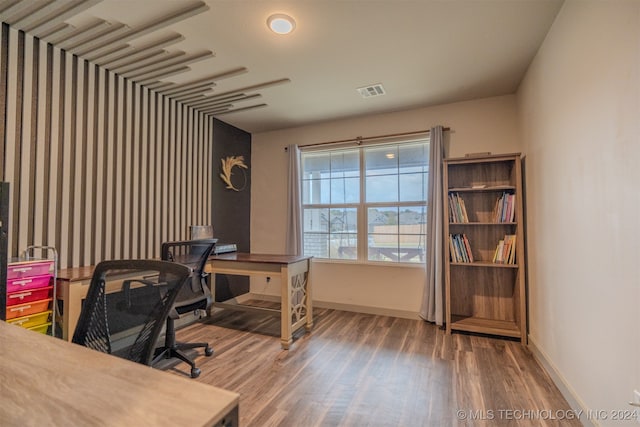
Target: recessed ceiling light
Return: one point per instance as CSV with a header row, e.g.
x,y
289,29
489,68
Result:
x,y
280,23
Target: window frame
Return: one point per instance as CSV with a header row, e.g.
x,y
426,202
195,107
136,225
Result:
x,y
362,206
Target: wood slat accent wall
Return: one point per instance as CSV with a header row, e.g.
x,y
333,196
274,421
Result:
x,y
99,167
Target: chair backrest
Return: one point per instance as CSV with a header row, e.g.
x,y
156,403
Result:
x,y
127,305
193,253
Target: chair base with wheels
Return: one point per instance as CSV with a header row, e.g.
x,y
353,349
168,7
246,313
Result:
x,y
173,349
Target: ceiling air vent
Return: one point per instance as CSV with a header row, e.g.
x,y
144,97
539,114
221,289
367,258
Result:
x,y
371,90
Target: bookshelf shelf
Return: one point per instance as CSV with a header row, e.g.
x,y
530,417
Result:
x,y
482,190
486,326
485,268
453,224
483,264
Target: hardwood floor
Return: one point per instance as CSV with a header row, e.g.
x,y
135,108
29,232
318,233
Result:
x,y
364,370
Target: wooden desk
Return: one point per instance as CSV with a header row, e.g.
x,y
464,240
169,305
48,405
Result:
x,y
72,288
293,271
295,291
48,381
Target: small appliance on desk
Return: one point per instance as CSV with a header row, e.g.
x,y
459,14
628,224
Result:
x,y
225,248
206,232
201,232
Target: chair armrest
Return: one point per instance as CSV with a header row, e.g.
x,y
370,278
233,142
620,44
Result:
x,y
126,288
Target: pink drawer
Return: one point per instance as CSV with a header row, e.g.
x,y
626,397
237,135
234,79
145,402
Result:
x,y
24,283
27,309
29,295
29,268
32,321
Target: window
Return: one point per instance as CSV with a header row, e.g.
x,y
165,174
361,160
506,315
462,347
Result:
x,y
366,203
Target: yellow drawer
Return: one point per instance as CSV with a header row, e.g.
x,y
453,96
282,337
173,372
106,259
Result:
x,y
32,320
41,328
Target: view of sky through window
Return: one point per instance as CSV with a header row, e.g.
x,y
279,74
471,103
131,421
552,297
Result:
x,y
366,203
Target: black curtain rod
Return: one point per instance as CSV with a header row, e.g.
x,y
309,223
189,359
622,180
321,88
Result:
x,y
360,139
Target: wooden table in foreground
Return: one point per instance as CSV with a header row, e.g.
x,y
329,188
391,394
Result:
x,y
48,381
295,293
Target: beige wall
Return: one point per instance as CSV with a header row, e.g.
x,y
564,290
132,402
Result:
x,y
580,116
480,125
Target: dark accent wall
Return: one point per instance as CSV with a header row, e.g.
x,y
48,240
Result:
x,y
99,167
230,213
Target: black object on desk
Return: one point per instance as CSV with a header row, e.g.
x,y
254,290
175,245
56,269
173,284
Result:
x,y
225,248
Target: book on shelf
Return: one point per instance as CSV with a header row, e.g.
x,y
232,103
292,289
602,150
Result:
x,y
459,248
505,252
468,247
497,254
457,210
504,209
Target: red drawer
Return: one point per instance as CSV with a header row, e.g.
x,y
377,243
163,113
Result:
x,y
20,269
29,295
24,283
27,308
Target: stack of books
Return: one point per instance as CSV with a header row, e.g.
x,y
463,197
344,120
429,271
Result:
x,y
457,211
504,210
506,250
459,248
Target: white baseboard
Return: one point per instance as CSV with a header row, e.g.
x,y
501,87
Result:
x,y
246,297
558,379
379,311
348,307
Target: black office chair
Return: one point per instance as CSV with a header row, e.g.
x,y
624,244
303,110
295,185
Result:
x,y
194,296
127,305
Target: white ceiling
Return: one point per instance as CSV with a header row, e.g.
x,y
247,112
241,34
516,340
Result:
x,y
424,52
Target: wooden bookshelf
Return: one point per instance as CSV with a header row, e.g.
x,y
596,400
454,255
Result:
x,y
487,295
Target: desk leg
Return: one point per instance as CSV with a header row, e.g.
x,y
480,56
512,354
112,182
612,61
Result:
x,y
212,291
72,305
286,334
296,309
308,298
62,297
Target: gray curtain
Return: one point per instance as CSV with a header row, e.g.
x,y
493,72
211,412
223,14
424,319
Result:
x,y
432,308
293,244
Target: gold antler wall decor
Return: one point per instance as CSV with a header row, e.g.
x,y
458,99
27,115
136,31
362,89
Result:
x,y
227,165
